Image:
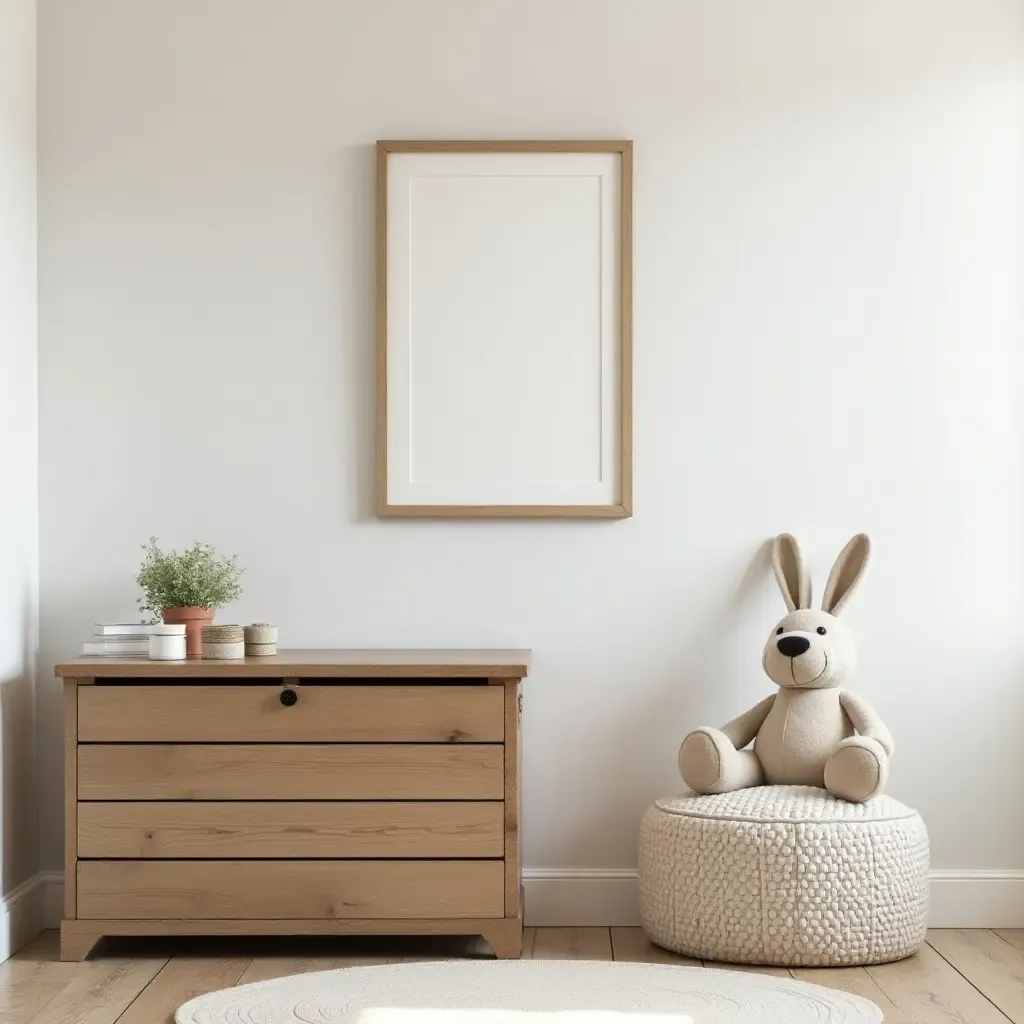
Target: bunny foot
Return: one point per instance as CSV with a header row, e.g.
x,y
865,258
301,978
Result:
x,y
858,770
709,763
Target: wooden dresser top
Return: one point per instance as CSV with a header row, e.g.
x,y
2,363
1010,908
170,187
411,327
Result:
x,y
362,664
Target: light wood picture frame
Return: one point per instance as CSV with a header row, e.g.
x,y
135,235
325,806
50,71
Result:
x,y
505,329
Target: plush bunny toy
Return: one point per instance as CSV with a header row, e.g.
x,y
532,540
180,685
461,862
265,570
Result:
x,y
810,733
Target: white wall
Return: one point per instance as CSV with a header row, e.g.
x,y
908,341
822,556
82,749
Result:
x,y
18,455
829,338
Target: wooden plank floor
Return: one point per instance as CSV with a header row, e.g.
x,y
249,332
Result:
x,y
959,977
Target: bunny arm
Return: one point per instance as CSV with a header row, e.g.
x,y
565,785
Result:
x,y
742,729
865,719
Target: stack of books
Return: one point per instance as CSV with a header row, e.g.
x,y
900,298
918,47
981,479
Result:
x,y
118,640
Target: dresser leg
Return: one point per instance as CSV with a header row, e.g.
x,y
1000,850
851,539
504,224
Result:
x,y
77,939
505,937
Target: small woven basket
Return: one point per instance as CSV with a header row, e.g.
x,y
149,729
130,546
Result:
x,y
215,651
260,650
260,640
261,633
223,635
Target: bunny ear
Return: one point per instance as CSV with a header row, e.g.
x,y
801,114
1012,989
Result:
x,y
846,573
788,564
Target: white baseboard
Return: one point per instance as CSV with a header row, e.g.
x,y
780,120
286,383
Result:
x,y
977,899
21,916
580,896
567,897
52,902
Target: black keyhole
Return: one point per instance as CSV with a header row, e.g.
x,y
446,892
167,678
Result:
x,y
289,697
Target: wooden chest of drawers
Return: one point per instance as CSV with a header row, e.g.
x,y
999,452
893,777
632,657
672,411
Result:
x,y
315,792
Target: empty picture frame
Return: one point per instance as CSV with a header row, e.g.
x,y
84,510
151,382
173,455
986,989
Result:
x,y
504,307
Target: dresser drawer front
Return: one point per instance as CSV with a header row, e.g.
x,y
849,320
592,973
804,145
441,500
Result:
x,y
297,829
268,889
255,714
290,772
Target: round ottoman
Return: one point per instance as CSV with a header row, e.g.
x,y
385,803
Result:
x,y
784,875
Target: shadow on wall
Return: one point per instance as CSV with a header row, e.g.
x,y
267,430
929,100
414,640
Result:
x,y
17,730
665,714
700,664
358,317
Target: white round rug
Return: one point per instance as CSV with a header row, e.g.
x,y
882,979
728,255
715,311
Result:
x,y
529,992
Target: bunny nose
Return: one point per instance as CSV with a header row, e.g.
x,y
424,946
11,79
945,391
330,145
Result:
x,y
793,646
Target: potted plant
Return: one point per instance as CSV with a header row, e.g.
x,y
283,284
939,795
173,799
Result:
x,y
187,587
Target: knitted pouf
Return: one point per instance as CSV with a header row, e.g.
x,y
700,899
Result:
x,y
784,875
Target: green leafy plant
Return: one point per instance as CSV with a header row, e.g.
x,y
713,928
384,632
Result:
x,y
195,578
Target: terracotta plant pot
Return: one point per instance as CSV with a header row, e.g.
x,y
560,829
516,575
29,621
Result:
x,y
194,619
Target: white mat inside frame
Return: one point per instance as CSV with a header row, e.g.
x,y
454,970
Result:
x,y
529,992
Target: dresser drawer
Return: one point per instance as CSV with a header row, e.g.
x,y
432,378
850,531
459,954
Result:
x,y
322,713
291,830
282,771
268,889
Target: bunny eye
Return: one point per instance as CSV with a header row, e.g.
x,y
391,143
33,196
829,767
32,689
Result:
x,y
822,630
778,631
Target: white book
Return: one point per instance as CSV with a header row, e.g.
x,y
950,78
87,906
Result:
x,y
122,628
122,647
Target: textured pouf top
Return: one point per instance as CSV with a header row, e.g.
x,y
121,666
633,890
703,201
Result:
x,y
784,875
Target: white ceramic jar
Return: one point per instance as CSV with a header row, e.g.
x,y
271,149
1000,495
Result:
x,y
167,642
